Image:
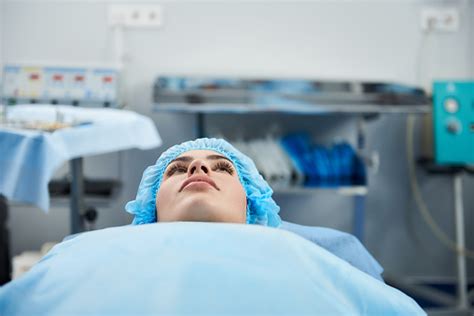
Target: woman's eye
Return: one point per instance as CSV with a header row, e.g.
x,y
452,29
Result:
x,y
176,169
224,166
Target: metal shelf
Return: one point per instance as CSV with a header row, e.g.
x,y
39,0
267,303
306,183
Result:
x,y
344,190
316,109
197,94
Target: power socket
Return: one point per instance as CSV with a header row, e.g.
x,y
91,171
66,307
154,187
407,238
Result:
x,y
135,15
440,19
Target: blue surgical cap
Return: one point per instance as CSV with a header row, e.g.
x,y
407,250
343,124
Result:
x,y
261,208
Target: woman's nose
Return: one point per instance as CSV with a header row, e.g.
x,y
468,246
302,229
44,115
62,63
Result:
x,y
198,166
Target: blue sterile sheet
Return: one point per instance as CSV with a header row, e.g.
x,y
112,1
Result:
x,y
341,244
197,268
29,158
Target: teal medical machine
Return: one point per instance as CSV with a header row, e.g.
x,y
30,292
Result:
x,y
453,122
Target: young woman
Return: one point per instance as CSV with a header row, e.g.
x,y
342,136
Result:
x,y
205,180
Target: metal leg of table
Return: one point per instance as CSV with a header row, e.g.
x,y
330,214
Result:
x,y
458,304
5,259
463,302
77,195
359,217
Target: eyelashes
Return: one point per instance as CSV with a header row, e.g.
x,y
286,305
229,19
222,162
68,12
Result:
x,y
224,166
176,167
218,166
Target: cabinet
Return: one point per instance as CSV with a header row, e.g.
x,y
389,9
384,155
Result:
x,y
208,96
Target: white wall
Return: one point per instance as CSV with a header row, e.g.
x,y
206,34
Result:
x,y
1,36
370,40
316,39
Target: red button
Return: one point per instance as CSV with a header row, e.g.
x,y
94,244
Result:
x,y
57,77
79,78
107,79
34,77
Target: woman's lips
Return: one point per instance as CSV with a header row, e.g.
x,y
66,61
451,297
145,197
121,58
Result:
x,y
198,178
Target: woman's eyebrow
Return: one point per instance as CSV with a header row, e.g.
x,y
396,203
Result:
x,y
183,158
216,157
210,157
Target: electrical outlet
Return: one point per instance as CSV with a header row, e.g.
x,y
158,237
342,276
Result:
x,y
440,19
135,15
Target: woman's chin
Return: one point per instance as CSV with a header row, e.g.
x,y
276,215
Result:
x,y
200,207
199,215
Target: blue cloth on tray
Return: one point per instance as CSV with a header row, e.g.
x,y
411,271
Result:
x,y
29,158
192,268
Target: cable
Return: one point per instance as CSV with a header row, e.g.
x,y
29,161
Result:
x,y
421,205
420,65
119,59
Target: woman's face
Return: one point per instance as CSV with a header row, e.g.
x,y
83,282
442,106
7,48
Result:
x,y
201,185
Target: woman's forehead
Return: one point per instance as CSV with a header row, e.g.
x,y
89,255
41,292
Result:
x,y
200,153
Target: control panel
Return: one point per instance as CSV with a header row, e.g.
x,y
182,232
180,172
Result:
x,y
77,86
453,122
